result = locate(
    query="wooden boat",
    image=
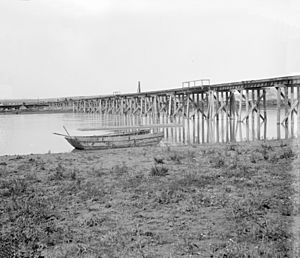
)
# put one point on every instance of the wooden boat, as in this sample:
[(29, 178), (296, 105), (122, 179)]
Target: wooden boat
[(136, 138)]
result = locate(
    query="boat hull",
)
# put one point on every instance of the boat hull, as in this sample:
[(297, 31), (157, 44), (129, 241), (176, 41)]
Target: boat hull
[(114, 141)]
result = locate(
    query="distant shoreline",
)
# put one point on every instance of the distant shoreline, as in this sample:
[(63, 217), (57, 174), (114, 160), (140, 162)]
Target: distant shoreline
[(18, 112)]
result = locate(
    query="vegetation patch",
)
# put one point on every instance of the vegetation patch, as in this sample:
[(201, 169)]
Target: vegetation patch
[(231, 200)]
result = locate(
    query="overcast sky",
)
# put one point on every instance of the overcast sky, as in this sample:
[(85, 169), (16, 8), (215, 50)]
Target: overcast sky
[(55, 48)]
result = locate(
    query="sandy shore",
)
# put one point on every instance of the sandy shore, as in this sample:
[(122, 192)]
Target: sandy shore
[(192, 201)]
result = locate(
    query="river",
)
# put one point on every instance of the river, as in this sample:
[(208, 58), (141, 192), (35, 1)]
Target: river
[(33, 133)]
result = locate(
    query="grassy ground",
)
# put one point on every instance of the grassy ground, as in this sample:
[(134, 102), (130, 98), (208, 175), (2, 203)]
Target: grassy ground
[(206, 201)]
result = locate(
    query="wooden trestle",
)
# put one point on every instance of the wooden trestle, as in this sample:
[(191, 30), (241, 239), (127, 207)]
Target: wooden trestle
[(211, 107)]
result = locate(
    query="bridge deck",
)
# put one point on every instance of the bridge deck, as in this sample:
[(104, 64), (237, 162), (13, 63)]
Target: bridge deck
[(250, 84)]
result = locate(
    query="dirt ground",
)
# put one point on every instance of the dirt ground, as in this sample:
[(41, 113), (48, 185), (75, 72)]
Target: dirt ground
[(231, 200)]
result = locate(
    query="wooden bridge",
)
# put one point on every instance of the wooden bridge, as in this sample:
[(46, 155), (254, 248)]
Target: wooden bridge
[(208, 105)]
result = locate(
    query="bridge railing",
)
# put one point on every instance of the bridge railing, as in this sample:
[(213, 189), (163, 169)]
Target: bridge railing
[(196, 83)]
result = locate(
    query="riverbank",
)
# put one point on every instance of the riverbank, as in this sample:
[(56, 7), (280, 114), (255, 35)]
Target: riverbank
[(232, 200)]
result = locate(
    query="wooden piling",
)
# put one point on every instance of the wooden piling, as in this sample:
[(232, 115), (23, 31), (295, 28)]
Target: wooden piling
[(198, 118), (292, 111), (217, 116), (212, 115), (193, 120), (227, 95), (240, 106), (202, 118), (286, 110), (278, 111), (188, 117), (222, 116), (253, 114), (265, 113), (258, 113), (247, 112)]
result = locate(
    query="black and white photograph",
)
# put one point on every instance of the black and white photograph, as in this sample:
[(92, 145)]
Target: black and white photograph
[(148, 129)]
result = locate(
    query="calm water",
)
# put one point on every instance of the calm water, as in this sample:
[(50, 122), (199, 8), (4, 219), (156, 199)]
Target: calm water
[(33, 133)]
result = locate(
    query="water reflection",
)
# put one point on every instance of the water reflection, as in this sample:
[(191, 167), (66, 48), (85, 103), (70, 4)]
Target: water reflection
[(198, 129)]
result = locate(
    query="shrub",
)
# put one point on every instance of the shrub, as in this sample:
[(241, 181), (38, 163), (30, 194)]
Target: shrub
[(176, 157), (159, 171), (158, 160)]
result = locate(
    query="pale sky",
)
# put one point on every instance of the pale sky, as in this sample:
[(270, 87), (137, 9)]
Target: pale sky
[(56, 48)]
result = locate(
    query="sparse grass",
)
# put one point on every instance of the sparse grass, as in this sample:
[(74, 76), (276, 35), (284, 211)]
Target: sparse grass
[(158, 171), (13, 187), (176, 157), (215, 201), (119, 170)]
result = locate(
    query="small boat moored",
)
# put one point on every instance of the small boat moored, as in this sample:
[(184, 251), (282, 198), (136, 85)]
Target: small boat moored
[(137, 138)]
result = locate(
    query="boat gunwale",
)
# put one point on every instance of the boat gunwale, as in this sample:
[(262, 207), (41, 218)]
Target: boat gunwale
[(79, 137)]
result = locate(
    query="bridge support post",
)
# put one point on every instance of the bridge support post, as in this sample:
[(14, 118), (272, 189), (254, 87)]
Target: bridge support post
[(286, 110), (193, 119), (247, 112), (292, 111), (265, 113), (218, 110), (278, 111), (258, 113), (188, 116), (222, 108), (198, 118), (211, 116)]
